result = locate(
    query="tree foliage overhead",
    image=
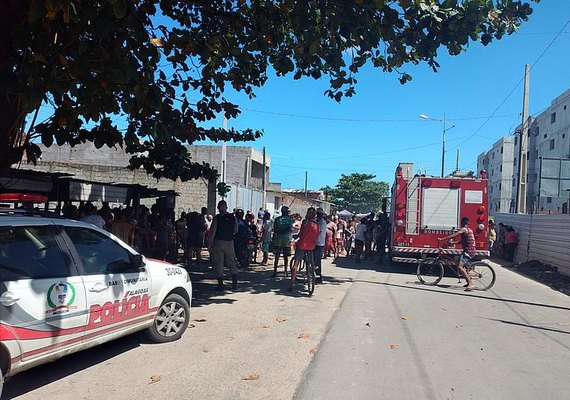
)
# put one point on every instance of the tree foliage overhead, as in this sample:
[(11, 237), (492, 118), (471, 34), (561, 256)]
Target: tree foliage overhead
[(162, 67), (358, 193)]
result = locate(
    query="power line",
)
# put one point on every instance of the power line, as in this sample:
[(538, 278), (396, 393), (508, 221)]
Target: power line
[(514, 88), (316, 117)]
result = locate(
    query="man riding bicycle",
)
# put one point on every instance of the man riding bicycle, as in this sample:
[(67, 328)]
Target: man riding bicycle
[(467, 241), (306, 243)]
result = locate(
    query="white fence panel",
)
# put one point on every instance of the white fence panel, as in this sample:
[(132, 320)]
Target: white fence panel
[(545, 238), (244, 197)]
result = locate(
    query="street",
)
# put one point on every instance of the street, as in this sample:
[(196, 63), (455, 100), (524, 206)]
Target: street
[(368, 332)]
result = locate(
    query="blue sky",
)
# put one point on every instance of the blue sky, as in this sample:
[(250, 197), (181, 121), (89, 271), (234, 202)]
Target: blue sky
[(380, 126)]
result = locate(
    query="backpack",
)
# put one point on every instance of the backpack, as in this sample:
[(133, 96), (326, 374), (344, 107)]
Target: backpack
[(282, 225)]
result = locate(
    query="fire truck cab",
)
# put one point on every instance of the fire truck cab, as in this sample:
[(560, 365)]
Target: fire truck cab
[(425, 208)]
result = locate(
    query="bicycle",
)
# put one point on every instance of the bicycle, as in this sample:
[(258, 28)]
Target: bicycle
[(307, 265), (431, 271)]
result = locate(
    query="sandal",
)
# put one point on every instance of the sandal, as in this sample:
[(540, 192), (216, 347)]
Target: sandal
[(469, 288)]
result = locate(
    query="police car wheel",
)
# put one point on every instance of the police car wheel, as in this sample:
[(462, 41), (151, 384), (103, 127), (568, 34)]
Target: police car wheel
[(171, 320)]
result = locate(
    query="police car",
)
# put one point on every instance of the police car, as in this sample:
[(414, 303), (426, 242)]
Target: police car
[(67, 285)]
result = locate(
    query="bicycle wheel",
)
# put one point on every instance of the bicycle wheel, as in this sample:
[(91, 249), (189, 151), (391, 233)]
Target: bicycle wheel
[(430, 271), (310, 275), (482, 275)]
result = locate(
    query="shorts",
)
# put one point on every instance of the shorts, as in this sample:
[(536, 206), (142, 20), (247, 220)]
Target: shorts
[(465, 257), (300, 253), (286, 251)]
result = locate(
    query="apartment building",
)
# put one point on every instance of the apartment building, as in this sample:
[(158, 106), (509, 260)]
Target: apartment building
[(498, 162), (548, 177), (548, 156)]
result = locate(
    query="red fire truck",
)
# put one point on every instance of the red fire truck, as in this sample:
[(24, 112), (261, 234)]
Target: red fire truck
[(425, 208)]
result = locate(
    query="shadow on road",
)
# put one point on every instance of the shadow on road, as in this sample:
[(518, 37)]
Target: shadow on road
[(462, 293), (542, 328), (45, 374), (255, 280), (410, 270)]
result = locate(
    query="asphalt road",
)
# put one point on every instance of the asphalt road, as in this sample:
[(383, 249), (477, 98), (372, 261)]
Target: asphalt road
[(394, 338), (511, 342)]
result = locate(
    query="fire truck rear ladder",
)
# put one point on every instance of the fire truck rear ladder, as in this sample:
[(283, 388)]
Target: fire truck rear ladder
[(413, 206)]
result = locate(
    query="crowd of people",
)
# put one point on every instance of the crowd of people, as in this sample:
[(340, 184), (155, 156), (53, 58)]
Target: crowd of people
[(150, 231), (234, 239), (504, 242)]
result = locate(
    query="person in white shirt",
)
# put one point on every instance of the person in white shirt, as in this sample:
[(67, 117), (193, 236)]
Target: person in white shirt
[(359, 238), (320, 246)]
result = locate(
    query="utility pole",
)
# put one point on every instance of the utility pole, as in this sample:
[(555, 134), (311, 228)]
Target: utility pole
[(224, 153), (443, 148), (263, 177), (306, 180), (523, 148), (457, 162)]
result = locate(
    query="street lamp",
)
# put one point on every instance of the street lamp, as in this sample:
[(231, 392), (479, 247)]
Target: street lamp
[(423, 116)]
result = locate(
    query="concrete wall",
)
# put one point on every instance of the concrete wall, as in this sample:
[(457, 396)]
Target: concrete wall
[(541, 237), (193, 195), (244, 164), (297, 204), (108, 165)]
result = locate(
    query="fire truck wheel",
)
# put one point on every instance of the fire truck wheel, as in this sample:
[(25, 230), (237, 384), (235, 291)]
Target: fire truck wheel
[(430, 271)]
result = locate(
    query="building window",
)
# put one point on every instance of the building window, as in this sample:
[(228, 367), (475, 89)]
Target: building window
[(501, 149), (563, 135), (553, 118), (498, 206), (537, 131), (549, 199), (536, 154), (499, 185), (493, 157), (565, 106), (516, 140), (501, 168), (515, 161), (491, 189), (551, 144)]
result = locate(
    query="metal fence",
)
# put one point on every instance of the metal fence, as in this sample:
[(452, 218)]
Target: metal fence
[(244, 197), (545, 238)]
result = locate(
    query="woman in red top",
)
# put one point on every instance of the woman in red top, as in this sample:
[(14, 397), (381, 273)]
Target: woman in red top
[(306, 243), (468, 243)]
